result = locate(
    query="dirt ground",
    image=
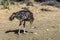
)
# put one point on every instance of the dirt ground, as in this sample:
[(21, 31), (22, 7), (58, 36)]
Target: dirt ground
[(47, 23)]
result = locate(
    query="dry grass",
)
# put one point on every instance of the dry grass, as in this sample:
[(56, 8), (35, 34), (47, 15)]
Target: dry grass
[(47, 23)]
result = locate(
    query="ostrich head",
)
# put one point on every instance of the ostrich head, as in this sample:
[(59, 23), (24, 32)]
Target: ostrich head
[(12, 16)]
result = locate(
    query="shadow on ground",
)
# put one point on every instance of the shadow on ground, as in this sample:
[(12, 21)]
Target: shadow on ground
[(16, 31)]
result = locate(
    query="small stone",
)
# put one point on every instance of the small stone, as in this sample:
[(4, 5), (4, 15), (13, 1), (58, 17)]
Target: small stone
[(47, 29), (36, 33)]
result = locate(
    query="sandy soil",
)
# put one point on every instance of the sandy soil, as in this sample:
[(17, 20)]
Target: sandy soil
[(47, 23)]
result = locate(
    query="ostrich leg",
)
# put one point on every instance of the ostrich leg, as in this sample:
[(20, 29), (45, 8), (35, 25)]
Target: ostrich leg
[(24, 26), (31, 22), (19, 28)]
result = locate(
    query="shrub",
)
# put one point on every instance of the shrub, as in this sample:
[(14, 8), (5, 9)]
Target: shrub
[(6, 4)]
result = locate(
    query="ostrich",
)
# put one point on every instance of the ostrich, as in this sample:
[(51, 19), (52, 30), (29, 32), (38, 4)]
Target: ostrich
[(23, 16)]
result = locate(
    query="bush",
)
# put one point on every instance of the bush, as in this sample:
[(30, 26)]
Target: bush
[(58, 0), (6, 3)]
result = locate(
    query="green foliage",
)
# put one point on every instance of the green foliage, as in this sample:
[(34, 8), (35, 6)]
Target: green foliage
[(6, 3)]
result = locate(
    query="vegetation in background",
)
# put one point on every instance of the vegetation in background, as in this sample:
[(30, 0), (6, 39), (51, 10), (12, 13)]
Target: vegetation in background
[(6, 4), (58, 0)]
